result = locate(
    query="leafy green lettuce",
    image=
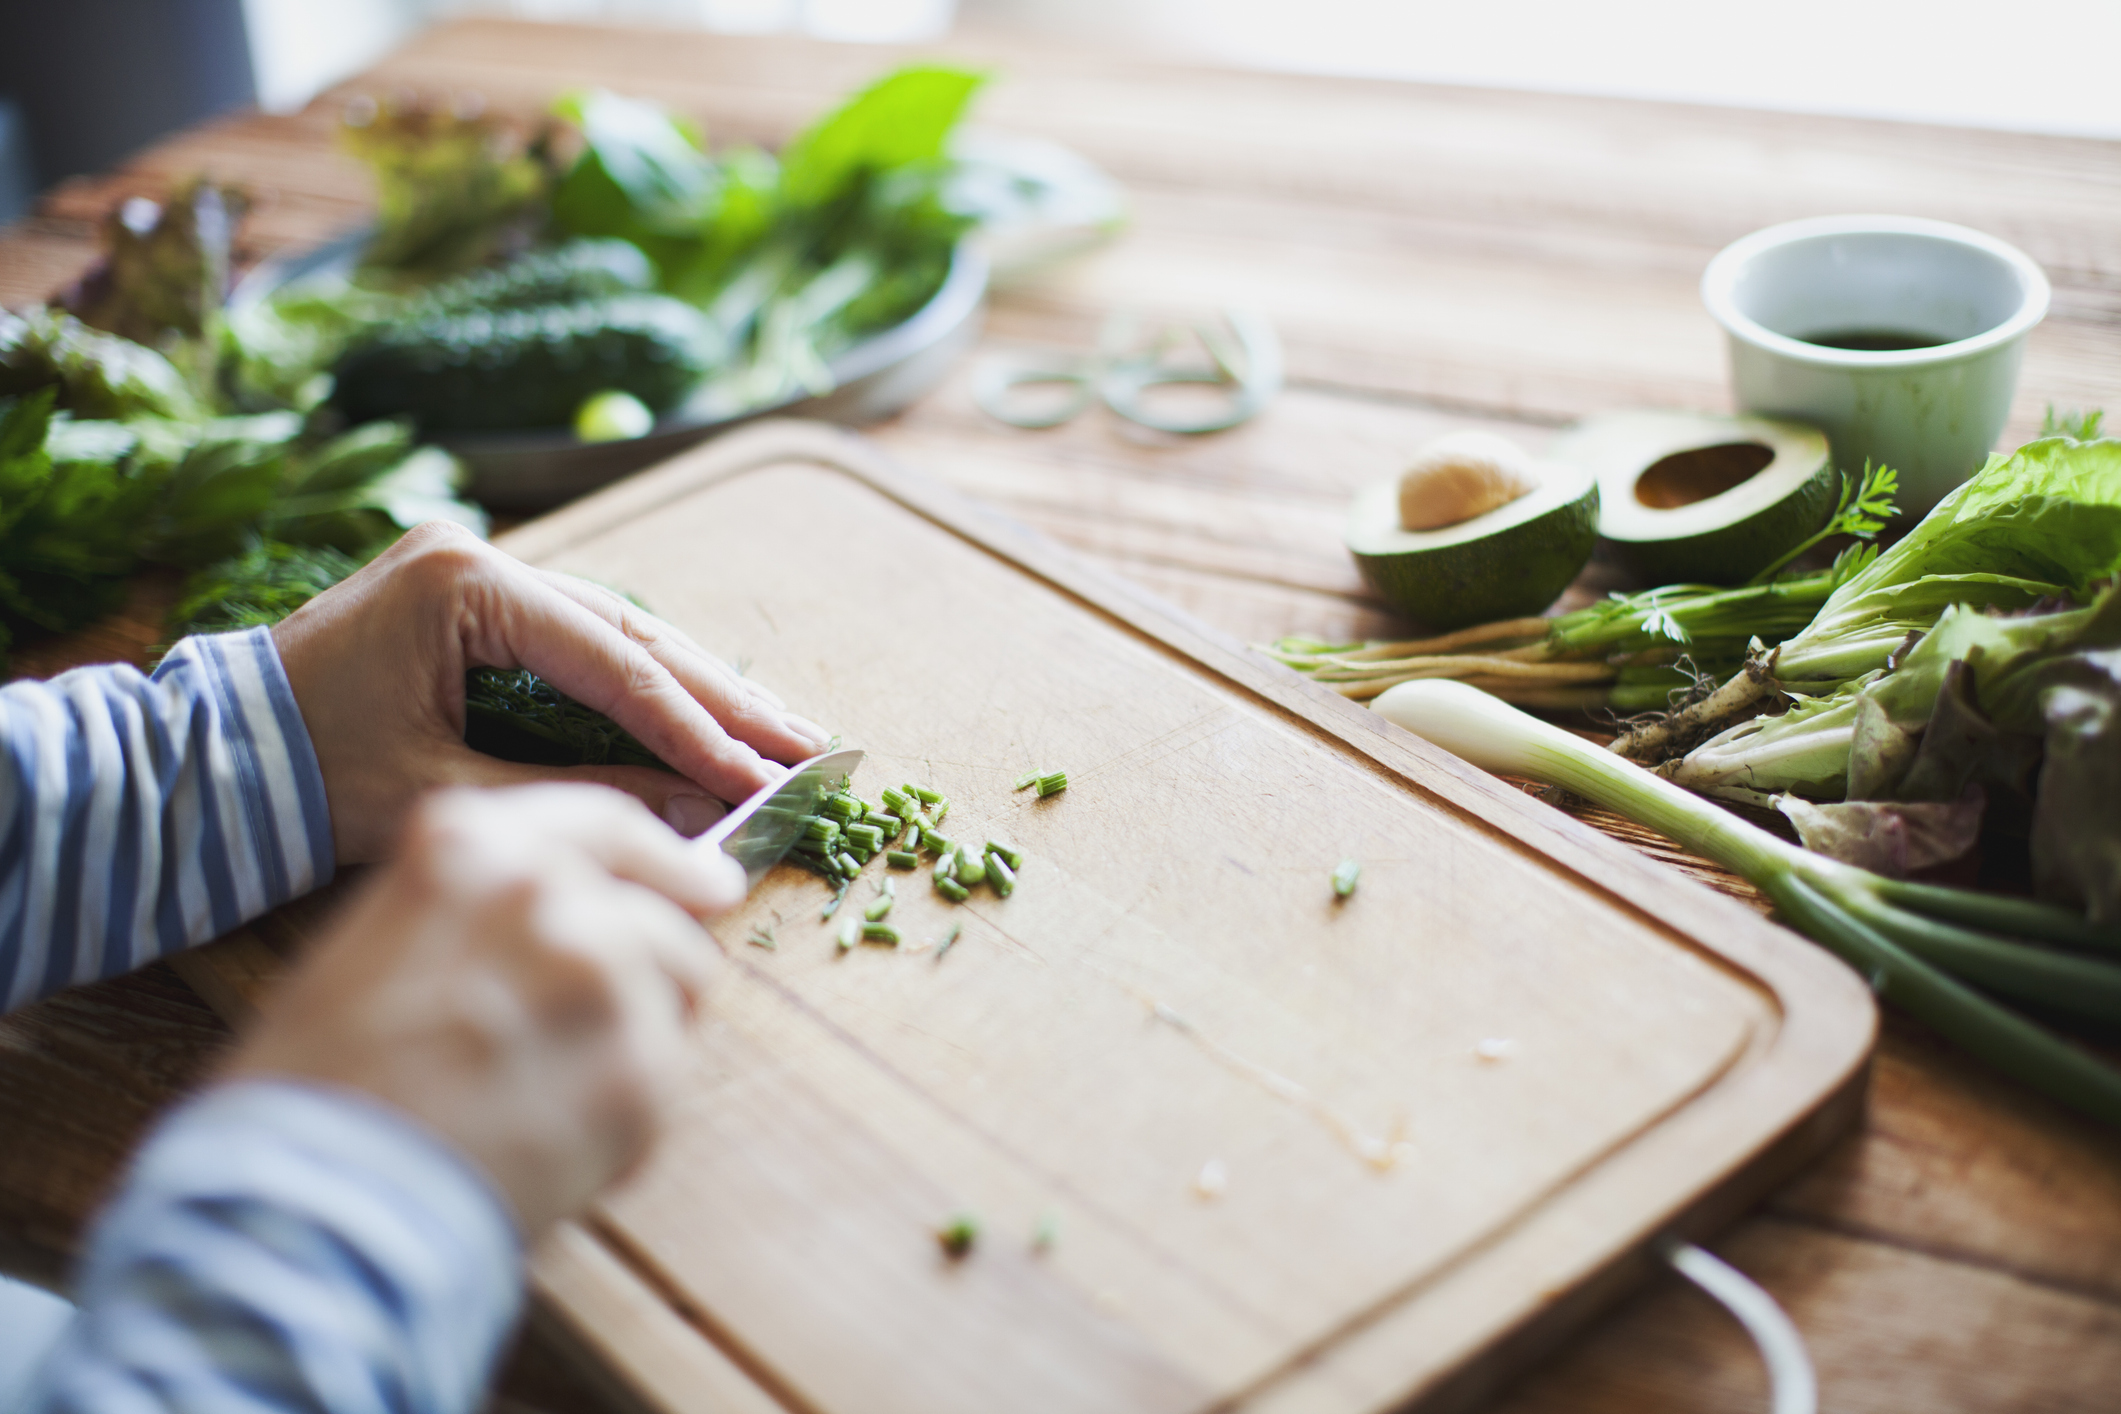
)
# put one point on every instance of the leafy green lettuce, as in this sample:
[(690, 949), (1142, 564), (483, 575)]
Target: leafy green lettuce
[(2044, 522)]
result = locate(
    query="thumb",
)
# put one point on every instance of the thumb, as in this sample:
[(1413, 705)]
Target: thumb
[(679, 803)]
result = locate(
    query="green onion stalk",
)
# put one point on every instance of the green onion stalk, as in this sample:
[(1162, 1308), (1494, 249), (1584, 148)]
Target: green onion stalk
[(1629, 652), (1935, 952), (1624, 652)]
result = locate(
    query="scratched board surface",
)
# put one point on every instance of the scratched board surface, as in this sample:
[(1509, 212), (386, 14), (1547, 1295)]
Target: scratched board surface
[(1249, 1117)]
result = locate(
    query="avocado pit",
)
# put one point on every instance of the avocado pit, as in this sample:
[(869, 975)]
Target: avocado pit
[(1460, 477)]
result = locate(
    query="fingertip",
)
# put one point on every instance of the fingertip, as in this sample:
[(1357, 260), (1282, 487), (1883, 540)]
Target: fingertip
[(810, 731)]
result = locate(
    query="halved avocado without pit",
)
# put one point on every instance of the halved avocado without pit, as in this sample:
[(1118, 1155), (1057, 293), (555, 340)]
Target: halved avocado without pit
[(1693, 498), (1506, 563)]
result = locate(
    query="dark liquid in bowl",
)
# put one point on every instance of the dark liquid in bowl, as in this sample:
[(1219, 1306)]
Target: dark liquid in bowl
[(1874, 340)]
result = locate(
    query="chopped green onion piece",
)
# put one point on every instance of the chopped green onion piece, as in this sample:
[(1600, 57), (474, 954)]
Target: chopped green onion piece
[(1025, 782), (879, 933), (1052, 784), (951, 889), (902, 859), (941, 844), (1014, 858), (885, 887), (949, 939), (850, 933), (869, 837), (1000, 875), (849, 865), (946, 864), (942, 808), (898, 802), (957, 1236), (763, 938), (1345, 876), (913, 836), (843, 807), (834, 906), (884, 820), (970, 871), (875, 912), (817, 827), (924, 795)]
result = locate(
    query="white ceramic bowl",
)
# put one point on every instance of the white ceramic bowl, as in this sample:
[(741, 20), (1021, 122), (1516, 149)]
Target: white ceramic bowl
[(1932, 413)]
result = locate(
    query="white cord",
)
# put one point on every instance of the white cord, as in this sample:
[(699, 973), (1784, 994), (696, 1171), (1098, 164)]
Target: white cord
[(1793, 1388)]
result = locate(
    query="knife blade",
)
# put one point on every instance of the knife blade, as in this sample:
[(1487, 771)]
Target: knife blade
[(759, 833)]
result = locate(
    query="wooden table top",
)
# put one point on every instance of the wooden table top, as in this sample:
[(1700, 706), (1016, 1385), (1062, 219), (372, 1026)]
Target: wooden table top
[(1436, 259)]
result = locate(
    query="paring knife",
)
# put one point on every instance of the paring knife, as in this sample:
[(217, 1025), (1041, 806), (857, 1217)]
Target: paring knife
[(758, 833)]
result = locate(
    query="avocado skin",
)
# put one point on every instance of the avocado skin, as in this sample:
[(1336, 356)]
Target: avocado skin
[(489, 370), (1734, 553), (1511, 574)]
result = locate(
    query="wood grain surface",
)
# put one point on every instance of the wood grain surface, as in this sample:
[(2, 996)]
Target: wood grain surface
[(1438, 258), (1172, 985)]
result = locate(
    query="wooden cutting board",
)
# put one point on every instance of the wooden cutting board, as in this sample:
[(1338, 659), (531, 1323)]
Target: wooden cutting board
[(1291, 1154)]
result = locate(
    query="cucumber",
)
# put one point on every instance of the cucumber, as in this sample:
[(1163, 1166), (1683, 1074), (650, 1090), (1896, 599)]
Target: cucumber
[(525, 368), (561, 274)]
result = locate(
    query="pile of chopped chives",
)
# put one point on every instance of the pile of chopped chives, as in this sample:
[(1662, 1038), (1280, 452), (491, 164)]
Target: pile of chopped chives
[(847, 832)]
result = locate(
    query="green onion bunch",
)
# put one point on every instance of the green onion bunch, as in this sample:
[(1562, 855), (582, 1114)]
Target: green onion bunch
[(1949, 957)]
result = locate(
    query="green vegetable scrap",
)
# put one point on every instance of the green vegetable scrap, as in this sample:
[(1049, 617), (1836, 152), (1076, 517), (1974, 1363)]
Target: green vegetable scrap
[(957, 1236), (1345, 876), (1052, 784)]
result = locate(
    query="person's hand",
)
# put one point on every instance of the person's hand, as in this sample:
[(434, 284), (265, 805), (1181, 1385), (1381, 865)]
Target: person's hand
[(519, 980), (377, 665)]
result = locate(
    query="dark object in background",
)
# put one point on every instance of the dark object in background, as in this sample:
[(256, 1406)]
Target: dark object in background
[(97, 79)]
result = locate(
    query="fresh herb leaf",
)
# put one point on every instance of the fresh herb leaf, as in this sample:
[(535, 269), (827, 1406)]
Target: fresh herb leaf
[(902, 119), (2080, 423), (1865, 506)]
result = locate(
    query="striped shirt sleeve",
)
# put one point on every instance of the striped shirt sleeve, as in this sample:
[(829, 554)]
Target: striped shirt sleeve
[(141, 815), (279, 1247)]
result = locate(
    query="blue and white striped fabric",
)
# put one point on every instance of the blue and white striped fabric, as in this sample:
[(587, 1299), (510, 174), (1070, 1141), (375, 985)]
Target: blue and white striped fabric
[(280, 1247), (143, 815), (277, 1246)]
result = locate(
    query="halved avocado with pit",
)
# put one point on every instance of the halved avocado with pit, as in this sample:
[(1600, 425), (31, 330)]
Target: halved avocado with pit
[(1693, 498), (1511, 562)]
